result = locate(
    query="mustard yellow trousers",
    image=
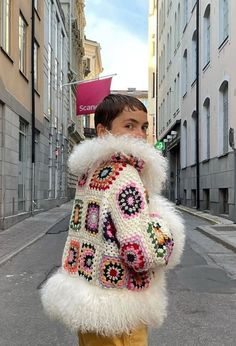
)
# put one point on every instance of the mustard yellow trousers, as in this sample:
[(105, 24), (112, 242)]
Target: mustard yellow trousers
[(138, 337)]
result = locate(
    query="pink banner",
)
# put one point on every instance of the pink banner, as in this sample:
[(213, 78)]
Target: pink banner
[(90, 94)]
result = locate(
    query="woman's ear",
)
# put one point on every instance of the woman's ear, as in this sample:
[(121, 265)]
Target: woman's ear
[(101, 130)]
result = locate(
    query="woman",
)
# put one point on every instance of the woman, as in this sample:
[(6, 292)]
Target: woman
[(123, 235)]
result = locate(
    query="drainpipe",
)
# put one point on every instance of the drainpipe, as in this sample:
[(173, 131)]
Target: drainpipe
[(197, 107), (3, 186), (33, 110), (156, 71)]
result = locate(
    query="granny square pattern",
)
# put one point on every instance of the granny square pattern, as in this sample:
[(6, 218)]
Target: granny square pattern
[(82, 180), (130, 200), (112, 273), (72, 258), (138, 281), (109, 230), (104, 177), (92, 218), (134, 254), (162, 244), (129, 159), (75, 220), (86, 261)]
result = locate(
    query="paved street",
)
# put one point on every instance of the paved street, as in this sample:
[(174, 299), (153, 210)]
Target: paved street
[(202, 309)]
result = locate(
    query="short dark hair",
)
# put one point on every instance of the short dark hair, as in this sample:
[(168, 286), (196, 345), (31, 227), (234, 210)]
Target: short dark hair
[(114, 104)]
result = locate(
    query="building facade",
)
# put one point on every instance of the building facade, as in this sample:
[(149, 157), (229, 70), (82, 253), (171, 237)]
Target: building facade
[(21, 109), (41, 52), (75, 23), (196, 101), (152, 65)]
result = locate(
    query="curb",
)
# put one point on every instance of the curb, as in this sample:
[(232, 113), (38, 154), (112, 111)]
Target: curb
[(200, 215), (211, 234), (30, 242), (14, 253)]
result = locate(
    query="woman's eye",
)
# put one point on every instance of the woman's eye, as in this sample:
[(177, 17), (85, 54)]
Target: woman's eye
[(129, 126), (145, 128)]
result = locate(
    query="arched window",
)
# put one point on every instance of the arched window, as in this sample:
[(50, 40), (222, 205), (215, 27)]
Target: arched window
[(175, 32), (207, 35), (185, 14), (194, 56), (224, 20), (168, 49), (178, 25), (184, 150), (223, 127), (206, 123), (193, 138), (185, 73)]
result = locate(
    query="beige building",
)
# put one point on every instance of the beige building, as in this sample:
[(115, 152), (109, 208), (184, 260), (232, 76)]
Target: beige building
[(21, 105), (92, 69), (152, 65), (196, 129), (39, 55)]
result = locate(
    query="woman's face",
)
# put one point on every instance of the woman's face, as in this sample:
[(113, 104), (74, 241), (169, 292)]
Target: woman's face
[(132, 123)]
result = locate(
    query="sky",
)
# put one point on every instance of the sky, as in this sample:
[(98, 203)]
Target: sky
[(121, 28)]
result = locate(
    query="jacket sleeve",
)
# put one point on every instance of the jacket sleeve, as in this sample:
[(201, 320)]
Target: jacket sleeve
[(145, 242)]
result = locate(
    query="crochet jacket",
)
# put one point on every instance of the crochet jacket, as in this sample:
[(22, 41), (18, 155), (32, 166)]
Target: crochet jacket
[(123, 236)]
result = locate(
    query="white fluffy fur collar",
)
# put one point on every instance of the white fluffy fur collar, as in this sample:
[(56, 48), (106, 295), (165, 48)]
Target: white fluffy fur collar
[(91, 153)]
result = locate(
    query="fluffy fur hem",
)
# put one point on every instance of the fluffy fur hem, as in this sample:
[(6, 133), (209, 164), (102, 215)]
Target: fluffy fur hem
[(87, 308)]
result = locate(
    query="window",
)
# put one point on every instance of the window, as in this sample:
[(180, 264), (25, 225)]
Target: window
[(86, 121), (5, 24), (153, 84), (224, 20), (178, 91), (36, 48), (168, 49), (223, 119), (206, 199), (22, 44), (178, 25), (185, 72), (175, 96), (206, 129), (185, 14), (22, 165), (184, 145), (193, 138), (193, 197), (224, 201), (207, 35), (194, 56), (175, 32)]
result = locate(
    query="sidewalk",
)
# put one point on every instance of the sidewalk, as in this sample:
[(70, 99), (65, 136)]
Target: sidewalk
[(220, 229), (18, 237)]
